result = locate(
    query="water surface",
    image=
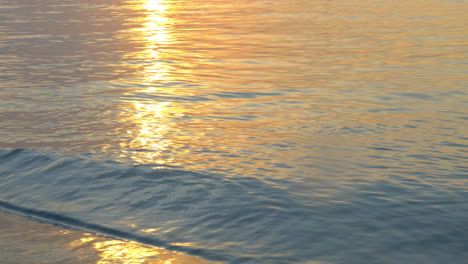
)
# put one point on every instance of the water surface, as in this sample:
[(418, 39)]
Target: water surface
[(242, 132)]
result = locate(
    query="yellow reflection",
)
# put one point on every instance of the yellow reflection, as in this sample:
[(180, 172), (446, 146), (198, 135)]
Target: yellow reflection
[(156, 33), (112, 251), (150, 118), (149, 138), (156, 5)]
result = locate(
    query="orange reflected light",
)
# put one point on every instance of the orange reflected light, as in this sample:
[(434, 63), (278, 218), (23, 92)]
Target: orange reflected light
[(156, 33), (152, 126), (151, 118), (153, 131), (155, 5), (113, 251)]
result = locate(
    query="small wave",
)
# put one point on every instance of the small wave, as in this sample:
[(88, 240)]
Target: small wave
[(229, 218), (222, 219)]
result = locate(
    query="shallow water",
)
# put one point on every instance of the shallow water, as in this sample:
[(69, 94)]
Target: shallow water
[(39, 242), (247, 132)]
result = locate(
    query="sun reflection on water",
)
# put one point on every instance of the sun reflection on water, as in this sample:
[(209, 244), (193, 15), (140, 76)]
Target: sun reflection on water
[(155, 5), (112, 251), (156, 33), (148, 140)]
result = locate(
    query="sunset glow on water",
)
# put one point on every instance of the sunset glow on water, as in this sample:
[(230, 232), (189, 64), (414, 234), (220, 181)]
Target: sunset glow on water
[(238, 131)]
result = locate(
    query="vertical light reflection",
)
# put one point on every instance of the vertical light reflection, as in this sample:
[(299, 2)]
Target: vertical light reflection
[(151, 118), (156, 33), (149, 138)]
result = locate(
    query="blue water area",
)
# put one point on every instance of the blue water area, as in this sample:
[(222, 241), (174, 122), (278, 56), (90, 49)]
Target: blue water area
[(241, 221)]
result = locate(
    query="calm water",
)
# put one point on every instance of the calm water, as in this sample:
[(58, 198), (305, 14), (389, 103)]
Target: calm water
[(286, 131)]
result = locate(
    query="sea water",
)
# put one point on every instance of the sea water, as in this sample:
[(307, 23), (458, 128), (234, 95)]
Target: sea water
[(283, 131)]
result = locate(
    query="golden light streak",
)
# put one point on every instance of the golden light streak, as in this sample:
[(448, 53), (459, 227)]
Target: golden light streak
[(155, 5), (113, 251), (156, 33), (150, 117)]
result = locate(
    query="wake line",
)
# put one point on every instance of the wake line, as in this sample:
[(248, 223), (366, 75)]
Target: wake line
[(73, 223)]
